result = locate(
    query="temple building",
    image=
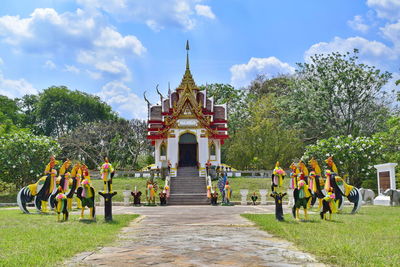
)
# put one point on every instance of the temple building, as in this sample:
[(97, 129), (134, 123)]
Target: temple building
[(187, 129)]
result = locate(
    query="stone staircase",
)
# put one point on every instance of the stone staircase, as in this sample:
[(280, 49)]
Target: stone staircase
[(187, 188)]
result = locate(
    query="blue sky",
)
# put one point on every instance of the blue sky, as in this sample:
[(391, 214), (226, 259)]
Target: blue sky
[(117, 49)]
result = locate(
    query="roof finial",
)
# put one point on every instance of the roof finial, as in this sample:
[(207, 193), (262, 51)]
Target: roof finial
[(187, 54)]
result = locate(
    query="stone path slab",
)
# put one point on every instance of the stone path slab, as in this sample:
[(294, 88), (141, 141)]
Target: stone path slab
[(195, 236)]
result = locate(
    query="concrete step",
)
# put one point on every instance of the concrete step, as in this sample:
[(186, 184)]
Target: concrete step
[(188, 199)]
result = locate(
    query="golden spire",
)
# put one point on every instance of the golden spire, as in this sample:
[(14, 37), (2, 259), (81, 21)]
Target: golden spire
[(187, 80), (187, 54)]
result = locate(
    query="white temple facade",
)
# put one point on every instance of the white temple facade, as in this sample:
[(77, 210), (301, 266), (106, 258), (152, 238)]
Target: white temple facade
[(187, 129)]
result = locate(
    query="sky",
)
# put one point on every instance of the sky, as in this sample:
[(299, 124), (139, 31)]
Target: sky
[(117, 49)]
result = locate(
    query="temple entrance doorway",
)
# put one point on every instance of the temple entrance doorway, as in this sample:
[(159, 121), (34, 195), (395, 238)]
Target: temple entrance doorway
[(187, 150)]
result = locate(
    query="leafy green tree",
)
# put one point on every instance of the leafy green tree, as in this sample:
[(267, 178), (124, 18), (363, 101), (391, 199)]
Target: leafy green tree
[(279, 86), (9, 110), (28, 105), (60, 110), (264, 141), (24, 157), (390, 139), (121, 140), (334, 95), (353, 156), (236, 100)]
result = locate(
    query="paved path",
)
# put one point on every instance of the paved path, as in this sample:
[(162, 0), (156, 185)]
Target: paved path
[(195, 236)]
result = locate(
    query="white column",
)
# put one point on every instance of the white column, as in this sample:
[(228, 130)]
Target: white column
[(172, 152), (243, 193), (203, 152), (157, 153), (290, 197), (218, 151), (126, 194), (263, 193)]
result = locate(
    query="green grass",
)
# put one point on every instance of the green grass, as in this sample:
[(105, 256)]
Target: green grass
[(39, 240), (369, 238)]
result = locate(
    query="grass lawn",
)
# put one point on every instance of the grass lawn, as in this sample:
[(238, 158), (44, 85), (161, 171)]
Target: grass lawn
[(369, 238), (39, 240)]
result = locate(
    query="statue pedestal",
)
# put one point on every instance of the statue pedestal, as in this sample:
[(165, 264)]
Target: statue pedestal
[(243, 193), (126, 194), (263, 193), (382, 200), (107, 205), (290, 197)]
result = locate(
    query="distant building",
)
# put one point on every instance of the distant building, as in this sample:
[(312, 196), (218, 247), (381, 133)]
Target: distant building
[(187, 129)]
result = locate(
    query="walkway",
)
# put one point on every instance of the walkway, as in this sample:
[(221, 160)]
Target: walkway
[(195, 236)]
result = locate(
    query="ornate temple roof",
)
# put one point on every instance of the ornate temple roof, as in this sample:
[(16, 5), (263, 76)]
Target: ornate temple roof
[(187, 102)]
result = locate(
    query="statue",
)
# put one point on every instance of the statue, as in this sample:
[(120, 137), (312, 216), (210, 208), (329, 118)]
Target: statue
[(278, 205), (214, 197), (254, 198), (136, 197), (40, 191), (86, 194), (227, 194), (73, 183), (151, 189), (341, 188), (278, 175), (107, 173), (61, 207), (301, 197), (394, 196), (61, 183), (163, 197), (367, 195), (328, 204)]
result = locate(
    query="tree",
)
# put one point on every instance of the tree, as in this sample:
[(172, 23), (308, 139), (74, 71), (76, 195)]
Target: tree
[(264, 141), (354, 156), (237, 104), (28, 104), (280, 85), (391, 139), (59, 110), (121, 140), (24, 157), (334, 95)]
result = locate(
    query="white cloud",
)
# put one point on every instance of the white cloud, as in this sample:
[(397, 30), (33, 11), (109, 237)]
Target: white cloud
[(358, 24), (387, 9), (371, 52), (94, 75), (124, 100), (109, 38), (155, 14), (392, 33), (106, 63), (15, 88), (205, 11), (73, 34), (243, 74), (70, 68), (50, 65)]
